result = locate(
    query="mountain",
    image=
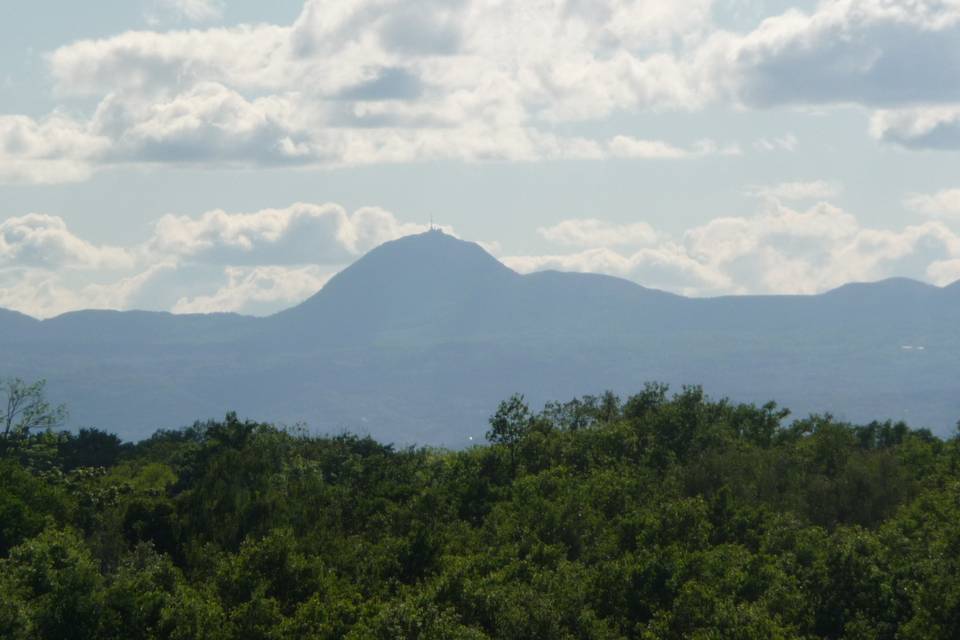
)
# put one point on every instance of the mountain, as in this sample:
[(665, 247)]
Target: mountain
[(420, 339), (16, 326), (416, 285)]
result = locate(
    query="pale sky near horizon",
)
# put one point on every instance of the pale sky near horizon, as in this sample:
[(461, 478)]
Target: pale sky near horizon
[(208, 155)]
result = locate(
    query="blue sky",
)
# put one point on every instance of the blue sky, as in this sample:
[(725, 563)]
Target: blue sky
[(204, 155)]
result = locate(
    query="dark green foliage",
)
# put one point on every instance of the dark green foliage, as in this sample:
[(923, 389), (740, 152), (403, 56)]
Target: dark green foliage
[(90, 448), (55, 582), (657, 517), (510, 425), (27, 503)]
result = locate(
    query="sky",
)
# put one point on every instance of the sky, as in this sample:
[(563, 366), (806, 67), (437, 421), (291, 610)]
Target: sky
[(231, 155)]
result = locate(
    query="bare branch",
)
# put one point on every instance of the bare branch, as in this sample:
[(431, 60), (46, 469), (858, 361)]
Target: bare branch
[(28, 409)]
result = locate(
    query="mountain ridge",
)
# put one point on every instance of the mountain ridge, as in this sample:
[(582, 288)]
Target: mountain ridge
[(419, 339), (405, 244)]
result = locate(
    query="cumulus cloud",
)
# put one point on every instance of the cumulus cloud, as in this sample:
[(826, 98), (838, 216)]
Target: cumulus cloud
[(264, 261), (563, 59), (668, 267), (208, 123), (779, 250), (52, 150), (213, 125), (869, 52), (356, 82), (555, 60), (152, 63), (38, 240), (945, 203), (378, 81), (944, 272), (900, 58), (301, 233), (257, 262), (628, 147), (258, 290), (373, 81), (45, 293), (931, 127)]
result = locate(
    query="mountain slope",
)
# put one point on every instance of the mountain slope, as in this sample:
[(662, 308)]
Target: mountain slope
[(419, 339), (15, 326), (434, 287), (427, 282)]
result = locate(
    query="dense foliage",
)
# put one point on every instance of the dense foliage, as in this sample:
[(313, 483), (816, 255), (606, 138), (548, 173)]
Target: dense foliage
[(657, 517)]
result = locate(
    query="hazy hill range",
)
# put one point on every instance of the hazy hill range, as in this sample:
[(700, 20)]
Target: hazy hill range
[(422, 337)]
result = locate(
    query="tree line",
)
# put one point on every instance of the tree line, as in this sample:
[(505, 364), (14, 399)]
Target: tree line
[(660, 515)]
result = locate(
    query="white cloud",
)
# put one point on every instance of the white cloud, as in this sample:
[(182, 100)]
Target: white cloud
[(846, 51), (151, 63), (813, 190), (930, 127), (298, 234), (552, 59), (213, 126), (44, 293), (944, 272), (258, 290), (355, 82), (120, 294), (787, 142), (629, 147), (207, 124), (945, 203), (372, 81), (256, 262), (898, 57), (668, 267), (267, 260), (56, 149), (779, 250), (38, 240), (37, 292)]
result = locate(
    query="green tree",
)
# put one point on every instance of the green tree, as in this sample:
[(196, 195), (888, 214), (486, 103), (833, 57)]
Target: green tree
[(58, 585), (510, 424), (141, 588), (26, 408), (26, 503)]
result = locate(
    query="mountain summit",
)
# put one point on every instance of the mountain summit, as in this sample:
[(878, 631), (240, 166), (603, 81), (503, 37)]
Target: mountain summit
[(428, 280), (421, 338), (427, 265), (433, 286)]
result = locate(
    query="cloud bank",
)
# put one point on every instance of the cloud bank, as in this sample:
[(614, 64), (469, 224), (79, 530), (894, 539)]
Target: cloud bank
[(780, 249), (942, 204), (353, 82), (257, 262)]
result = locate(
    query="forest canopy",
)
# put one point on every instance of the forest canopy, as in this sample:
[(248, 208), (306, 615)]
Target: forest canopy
[(655, 516)]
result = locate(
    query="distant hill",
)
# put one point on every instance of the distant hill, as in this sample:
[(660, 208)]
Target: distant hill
[(419, 339)]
